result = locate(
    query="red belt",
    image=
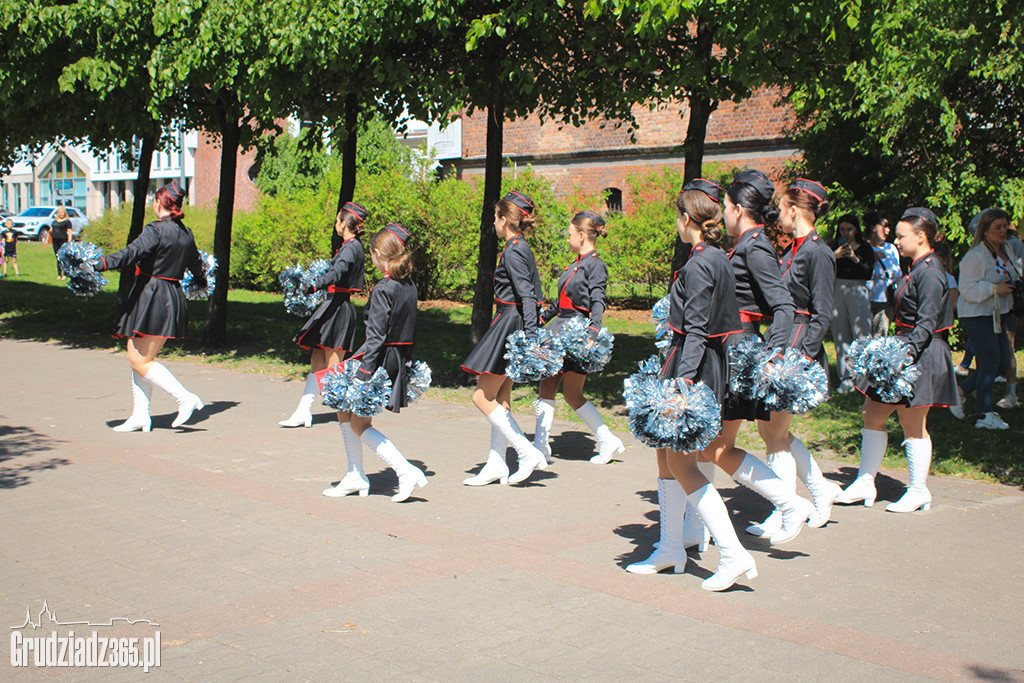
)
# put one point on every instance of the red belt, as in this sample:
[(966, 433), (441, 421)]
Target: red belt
[(748, 317), (331, 289), (170, 279)]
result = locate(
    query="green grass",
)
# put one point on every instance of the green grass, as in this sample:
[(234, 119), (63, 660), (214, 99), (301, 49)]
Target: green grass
[(38, 307)]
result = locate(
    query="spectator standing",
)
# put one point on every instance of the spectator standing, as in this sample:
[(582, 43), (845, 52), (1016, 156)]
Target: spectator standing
[(986, 274), (851, 310), (61, 232), (10, 240), (885, 274)]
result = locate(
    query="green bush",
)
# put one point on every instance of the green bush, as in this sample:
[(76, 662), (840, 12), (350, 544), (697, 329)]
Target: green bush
[(111, 230)]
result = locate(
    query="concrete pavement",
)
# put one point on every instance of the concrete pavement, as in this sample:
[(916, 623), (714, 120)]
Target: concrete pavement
[(218, 533)]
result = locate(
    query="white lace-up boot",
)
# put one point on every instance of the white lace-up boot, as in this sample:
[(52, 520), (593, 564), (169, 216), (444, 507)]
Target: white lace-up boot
[(872, 450), (163, 380), (495, 469), (917, 495), (607, 443), (139, 420), (409, 476)]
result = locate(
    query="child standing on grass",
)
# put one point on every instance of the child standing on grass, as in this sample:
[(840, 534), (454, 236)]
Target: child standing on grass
[(10, 248)]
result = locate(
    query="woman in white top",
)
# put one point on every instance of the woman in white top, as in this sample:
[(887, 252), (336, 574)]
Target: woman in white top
[(886, 272), (986, 277)]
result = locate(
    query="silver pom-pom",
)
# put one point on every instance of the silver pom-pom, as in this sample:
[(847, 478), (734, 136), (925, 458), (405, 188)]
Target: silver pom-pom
[(295, 280), (671, 413), (418, 376), (659, 316), (342, 391), (531, 359), (887, 365), (591, 353), (784, 381), (189, 286), (75, 259)]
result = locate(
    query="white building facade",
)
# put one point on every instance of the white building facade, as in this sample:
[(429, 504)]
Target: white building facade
[(73, 175)]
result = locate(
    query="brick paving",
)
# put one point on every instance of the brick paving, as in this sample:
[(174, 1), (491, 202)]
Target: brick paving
[(218, 532)]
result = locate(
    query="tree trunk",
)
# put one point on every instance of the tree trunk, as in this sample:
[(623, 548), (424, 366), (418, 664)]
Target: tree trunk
[(215, 332), (701, 107), (348, 162), (141, 189), (483, 294)]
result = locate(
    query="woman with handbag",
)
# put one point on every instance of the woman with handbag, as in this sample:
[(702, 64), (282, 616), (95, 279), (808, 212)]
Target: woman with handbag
[(987, 274)]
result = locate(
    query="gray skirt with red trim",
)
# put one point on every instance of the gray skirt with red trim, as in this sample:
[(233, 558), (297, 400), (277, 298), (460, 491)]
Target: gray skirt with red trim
[(488, 356), (395, 357), (332, 325), (713, 368), (570, 364), (155, 308)]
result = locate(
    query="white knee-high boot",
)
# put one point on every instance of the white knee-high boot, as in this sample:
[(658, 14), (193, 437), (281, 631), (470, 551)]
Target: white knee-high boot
[(544, 408), (607, 443), (919, 459), (794, 510), (823, 492), (734, 560), (409, 476), (872, 450), (495, 469), (163, 380), (530, 458), (355, 480), (303, 415), (784, 467), (139, 420), (695, 534), (670, 552)]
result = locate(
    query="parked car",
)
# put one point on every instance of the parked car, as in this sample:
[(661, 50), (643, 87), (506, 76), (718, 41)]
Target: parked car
[(36, 222)]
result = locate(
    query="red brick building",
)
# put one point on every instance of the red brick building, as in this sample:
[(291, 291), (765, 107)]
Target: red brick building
[(598, 157), (206, 181)]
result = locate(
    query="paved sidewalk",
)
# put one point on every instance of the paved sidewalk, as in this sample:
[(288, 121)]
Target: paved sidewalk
[(218, 533)]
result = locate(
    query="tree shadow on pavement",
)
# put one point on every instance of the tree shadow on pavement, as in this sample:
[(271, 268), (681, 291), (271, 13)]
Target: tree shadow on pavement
[(20, 448)]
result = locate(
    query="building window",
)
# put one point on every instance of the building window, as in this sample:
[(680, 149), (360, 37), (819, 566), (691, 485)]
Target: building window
[(613, 199), (62, 183)]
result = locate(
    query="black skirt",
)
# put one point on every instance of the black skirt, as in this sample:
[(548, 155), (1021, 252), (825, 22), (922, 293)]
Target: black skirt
[(395, 357), (488, 356), (712, 370), (736, 407), (570, 364), (332, 326), (935, 386), (155, 308)]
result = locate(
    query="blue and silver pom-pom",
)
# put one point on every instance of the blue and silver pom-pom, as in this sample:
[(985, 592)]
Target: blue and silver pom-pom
[(671, 413), (592, 353), (887, 365), (531, 359), (659, 316), (784, 381), (793, 383), (746, 360), (418, 376), (342, 391), (75, 259), (188, 284), (295, 280)]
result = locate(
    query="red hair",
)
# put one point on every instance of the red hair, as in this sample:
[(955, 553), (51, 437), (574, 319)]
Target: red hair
[(164, 199)]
